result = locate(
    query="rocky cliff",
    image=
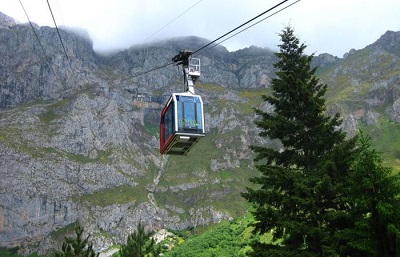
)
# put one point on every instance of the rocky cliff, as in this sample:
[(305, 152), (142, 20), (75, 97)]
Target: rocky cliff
[(366, 87), (31, 70), (79, 132)]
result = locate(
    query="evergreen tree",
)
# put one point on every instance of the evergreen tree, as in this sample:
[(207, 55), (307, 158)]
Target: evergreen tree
[(78, 246), (299, 198), (374, 197), (139, 244)]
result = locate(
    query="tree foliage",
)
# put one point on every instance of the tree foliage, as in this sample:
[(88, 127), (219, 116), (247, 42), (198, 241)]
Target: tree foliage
[(78, 246), (226, 239), (300, 190), (140, 244), (375, 204)]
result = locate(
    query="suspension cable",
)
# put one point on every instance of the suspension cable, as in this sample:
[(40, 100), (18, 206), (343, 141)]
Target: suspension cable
[(58, 32), (172, 21), (214, 41), (203, 48), (148, 71), (248, 27), (247, 22), (166, 64), (40, 43)]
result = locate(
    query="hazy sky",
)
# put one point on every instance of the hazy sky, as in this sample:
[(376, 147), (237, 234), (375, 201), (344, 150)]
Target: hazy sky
[(325, 26)]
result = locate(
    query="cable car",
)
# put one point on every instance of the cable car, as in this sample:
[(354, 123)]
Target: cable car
[(182, 119), (182, 123)]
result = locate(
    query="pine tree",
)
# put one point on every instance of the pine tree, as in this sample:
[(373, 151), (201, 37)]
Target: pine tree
[(299, 198), (78, 246), (139, 244), (374, 198)]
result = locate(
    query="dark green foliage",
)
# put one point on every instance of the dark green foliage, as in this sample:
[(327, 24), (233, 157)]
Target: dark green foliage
[(375, 204), (78, 246), (300, 195), (139, 244), (13, 252), (227, 239)]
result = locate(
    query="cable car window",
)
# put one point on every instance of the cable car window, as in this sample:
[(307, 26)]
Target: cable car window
[(199, 111), (189, 114), (169, 122)]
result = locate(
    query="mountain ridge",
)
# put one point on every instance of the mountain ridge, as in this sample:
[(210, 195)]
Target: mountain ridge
[(6, 21)]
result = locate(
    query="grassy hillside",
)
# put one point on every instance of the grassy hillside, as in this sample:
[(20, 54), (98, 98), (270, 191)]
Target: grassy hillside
[(367, 81), (13, 252), (197, 186), (386, 139), (227, 239)]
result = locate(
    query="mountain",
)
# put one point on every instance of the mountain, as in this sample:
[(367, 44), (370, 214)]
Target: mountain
[(79, 132), (365, 89)]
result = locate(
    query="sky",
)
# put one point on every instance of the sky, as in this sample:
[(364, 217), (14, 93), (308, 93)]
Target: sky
[(325, 26)]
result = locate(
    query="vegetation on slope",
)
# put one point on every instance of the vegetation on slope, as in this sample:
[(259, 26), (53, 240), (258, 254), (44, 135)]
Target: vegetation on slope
[(198, 186), (386, 139), (13, 252), (227, 239), (359, 79)]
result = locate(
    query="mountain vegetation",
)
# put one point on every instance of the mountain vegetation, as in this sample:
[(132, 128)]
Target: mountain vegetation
[(226, 239), (374, 199), (79, 135), (299, 198), (140, 244), (77, 246), (308, 193)]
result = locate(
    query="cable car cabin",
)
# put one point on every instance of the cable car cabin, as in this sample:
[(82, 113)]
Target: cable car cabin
[(182, 123)]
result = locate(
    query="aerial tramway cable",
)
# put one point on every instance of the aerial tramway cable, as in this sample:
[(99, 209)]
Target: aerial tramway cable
[(238, 27), (202, 49), (58, 32), (148, 71), (40, 43), (177, 17), (166, 64), (63, 46), (248, 27), (65, 52), (213, 43)]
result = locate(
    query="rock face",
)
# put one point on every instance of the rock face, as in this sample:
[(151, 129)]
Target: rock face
[(324, 60), (390, 42), (77, 141), (79, 132), (6, 21), (28, 73)]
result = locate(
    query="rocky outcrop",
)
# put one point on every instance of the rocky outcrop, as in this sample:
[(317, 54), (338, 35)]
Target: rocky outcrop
[(6, 21), (62, 159), (390, 42), (394, 111), (28, 73), (324, 60), (233, 70), (90, 145)]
